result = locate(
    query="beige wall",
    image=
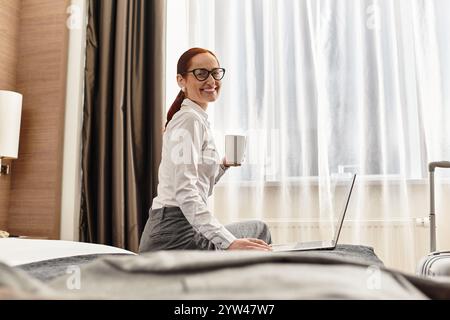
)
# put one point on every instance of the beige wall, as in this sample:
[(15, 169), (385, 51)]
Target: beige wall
[(39, 41), (71, 182), (9, 35)]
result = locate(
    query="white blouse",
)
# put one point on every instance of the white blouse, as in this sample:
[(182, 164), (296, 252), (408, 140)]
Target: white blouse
[(190, 167)]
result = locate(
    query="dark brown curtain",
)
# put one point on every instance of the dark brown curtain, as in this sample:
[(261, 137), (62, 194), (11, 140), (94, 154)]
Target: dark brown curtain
[(123, 120)]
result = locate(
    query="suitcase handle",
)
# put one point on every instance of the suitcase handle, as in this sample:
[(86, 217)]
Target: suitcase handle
[(431, 167), (438, 164)]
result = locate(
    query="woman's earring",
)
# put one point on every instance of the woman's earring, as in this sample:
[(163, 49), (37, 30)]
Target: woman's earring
[(183, 89)]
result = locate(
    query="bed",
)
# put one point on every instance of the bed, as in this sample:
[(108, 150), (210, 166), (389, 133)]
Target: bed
[(48, 259), (20, 251), (87, 271)]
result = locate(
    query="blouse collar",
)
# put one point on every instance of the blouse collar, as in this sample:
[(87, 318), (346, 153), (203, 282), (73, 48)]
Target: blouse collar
[(188, 103)]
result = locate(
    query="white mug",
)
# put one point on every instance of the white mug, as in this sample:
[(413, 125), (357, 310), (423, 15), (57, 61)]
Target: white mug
[(235, 149)]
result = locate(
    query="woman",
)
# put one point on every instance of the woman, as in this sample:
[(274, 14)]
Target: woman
[(190, 166)]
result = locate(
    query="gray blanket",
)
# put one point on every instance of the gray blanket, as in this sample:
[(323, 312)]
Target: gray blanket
[(225, 275), (49, 269)]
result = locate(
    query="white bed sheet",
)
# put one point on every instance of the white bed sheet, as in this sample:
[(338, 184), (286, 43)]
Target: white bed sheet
[(16, 251)]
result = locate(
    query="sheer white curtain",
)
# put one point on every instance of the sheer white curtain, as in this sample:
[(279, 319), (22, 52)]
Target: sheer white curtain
[(324, 88)]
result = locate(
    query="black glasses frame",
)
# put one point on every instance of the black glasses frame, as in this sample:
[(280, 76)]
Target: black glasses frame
[(209, 73)]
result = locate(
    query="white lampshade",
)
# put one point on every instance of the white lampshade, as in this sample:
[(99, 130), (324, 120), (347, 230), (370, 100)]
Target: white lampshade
[(10, 114)]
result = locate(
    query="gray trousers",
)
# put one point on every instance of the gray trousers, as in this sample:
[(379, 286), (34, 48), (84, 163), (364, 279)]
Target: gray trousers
[(168, 229)]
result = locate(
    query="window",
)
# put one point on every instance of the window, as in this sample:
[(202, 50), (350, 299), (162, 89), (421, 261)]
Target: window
[(322, 87)]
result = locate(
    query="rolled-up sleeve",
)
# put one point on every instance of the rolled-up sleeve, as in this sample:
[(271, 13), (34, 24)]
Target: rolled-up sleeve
[(186, 166)]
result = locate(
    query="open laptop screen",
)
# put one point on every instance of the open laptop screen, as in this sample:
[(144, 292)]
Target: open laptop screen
[(344, 210)]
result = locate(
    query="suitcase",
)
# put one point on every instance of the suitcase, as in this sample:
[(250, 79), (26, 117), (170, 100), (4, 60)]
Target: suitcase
[(437, 263)]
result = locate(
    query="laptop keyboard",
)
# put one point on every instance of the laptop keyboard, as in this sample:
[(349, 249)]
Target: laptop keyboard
[(309, 244), (304, 245)]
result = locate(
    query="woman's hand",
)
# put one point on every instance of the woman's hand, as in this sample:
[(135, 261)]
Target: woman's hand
[(224, 162), (249, 244)]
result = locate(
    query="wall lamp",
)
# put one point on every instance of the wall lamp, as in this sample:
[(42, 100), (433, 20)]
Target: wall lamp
[(10, 116)]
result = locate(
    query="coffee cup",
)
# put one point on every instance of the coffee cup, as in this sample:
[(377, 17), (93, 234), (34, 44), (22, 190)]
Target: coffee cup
[(235, 149)]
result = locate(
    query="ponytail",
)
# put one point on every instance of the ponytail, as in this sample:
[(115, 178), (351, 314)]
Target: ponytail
[(176, 105)]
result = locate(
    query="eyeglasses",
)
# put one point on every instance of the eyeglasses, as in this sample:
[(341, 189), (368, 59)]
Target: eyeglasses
[(203, 74)]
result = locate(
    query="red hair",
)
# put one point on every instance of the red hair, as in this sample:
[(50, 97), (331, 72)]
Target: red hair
[(182, 67)]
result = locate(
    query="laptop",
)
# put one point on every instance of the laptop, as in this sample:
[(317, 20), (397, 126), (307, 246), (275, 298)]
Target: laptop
[(318, 245)]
